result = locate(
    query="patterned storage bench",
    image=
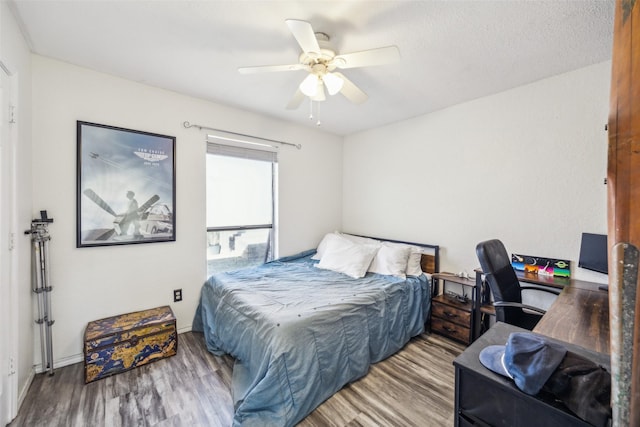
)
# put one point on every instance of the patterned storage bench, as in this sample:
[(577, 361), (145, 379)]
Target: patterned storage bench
[(119, 343)]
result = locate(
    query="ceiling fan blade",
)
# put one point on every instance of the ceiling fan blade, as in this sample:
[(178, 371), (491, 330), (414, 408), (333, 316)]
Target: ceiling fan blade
[(296, 100), (304, 35), (365, 58), (270, 68), (350, 91), (333, 83)]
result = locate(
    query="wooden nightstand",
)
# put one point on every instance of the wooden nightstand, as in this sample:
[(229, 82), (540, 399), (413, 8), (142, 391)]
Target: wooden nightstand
[(453, 317)]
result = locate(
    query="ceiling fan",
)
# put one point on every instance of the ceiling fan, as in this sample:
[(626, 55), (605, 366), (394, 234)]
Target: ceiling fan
[(320, 61)]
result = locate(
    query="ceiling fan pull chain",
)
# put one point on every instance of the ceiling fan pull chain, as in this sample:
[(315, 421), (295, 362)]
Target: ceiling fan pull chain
[(310, 109), (318, 123)]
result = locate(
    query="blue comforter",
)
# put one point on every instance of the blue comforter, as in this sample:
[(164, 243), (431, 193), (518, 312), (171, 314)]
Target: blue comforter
[(300, 333)]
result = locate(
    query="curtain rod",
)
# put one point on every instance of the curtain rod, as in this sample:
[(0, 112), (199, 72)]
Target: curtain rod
[(189, 125)]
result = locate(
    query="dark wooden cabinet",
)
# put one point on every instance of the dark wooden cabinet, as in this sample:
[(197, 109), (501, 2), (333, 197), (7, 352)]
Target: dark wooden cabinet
[(453, 317), (484, 398)]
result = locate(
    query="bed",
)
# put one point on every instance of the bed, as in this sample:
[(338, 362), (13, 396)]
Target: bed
[(300, 331)]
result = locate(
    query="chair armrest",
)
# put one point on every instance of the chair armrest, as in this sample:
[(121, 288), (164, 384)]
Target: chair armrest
[(535, 288), (516, 304)]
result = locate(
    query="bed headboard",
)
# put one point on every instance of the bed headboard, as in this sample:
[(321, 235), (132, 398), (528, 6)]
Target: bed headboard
[(430, 263)]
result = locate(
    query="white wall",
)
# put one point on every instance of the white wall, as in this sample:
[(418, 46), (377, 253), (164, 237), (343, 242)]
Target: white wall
[(15, 54), (525, 166), (92, 283)]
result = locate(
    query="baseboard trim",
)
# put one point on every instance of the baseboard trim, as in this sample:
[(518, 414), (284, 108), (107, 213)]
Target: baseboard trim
[(185, 329), (24, 390), (65, 361), (77, 358)]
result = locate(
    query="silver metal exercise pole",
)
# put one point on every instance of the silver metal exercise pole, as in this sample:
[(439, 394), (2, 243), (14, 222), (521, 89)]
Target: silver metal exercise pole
[(42, 287), (37, 289), (47, 298)]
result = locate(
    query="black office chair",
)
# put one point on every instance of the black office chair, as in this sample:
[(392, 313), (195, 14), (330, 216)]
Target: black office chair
[(504, 285)]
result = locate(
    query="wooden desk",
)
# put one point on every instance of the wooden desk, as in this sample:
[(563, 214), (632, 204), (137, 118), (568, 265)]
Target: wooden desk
[(580, 314), (550, 281), (556, 282)]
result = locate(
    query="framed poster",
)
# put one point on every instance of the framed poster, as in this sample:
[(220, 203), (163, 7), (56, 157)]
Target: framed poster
[(126, 186)]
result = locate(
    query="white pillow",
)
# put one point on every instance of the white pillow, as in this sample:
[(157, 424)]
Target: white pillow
[(413, 264), (359, 239), (346, 257), (414, 268), (338, 235), (391, 260), (323, 244)]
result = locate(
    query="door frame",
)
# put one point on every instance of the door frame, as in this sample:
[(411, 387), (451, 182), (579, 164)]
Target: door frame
[(8, 261)]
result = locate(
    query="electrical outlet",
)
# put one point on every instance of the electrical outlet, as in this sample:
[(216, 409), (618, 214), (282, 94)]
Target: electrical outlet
[(177, 295)]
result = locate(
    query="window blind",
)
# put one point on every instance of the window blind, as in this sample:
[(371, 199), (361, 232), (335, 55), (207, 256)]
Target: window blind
[(250, 148), (241, 152)]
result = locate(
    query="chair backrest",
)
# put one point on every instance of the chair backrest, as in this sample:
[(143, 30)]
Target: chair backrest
[(496, 265)]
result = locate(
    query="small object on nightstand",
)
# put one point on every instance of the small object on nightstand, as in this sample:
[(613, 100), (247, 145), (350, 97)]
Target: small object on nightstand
[(456, 297)]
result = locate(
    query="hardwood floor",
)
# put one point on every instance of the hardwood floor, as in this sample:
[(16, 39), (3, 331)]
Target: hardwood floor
[(414, 387)]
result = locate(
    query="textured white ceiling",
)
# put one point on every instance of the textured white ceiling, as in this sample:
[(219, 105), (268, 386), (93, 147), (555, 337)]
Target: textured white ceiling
[(452, 51)]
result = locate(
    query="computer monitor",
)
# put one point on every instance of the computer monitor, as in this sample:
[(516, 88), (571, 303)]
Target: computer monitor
[(593, 252)]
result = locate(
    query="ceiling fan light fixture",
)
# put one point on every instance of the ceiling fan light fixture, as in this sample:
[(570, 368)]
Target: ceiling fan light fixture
[(333, 83), (319, 96), (321, 62), (309, 85)]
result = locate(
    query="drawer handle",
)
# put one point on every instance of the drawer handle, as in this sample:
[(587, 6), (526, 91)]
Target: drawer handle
[(450, 315), (448, 329)]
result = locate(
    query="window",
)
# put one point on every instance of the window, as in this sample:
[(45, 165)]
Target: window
[(240, 207)]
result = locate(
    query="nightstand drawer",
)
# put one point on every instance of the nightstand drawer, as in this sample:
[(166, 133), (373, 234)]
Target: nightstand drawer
[(452, 314), (450, 329)]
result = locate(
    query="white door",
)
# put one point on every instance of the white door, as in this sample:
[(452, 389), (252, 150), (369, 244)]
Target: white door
[(7, 235)]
